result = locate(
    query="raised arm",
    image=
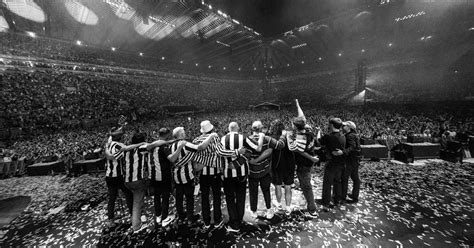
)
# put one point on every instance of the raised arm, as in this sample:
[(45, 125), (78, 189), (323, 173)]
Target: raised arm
[(300, 111)]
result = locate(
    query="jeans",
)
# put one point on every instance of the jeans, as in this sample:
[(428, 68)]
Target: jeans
[(161, 197), (253, 190), (235, 190), (138, 189), (352, 171), (113, 185), (304, 176), (332, 176), (208, 182), (187, 190)]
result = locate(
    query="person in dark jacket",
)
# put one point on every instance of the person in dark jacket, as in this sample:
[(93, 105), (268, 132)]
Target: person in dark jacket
[(334, 143), (352, 155)]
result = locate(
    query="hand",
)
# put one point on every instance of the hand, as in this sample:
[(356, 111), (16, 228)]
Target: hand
[(181, 143), (242, 150), (315, 159), (337, 152), (214, 135)]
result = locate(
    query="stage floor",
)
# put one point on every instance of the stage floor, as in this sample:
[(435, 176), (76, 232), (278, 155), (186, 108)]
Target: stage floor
[(400, 206)]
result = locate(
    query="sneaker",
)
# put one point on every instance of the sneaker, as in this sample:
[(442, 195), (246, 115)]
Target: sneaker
[(142, 227), (277, 205), (220, 224), (167, 221), (288, 210), (158, 219), (232, 230), (269, 214), (253, 214), (312, 214)]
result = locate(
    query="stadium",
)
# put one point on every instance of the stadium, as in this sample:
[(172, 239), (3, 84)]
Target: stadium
[(221, 123)]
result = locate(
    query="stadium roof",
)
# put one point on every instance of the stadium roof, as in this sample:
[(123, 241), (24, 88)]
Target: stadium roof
[(244, 35)]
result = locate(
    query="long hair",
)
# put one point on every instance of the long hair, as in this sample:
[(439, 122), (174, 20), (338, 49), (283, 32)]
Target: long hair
[(138, 138), (276, 128)]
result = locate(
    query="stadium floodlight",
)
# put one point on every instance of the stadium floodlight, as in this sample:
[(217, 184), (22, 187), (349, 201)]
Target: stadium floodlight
[(197, 64), (471, 29), (302, 61), (340, 54), (390, 44), (31, 34), (320, 58), (210, 6), (363, 50), (181, 62), (163, 58), (209, 66), (78, 42), (113, 49), (224, 68), (240, 69), (141, 54)]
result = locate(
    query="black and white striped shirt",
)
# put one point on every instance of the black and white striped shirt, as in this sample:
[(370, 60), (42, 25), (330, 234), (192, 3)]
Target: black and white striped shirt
[(232, 141), (114, 166), (158, 163), (135, 166), (183, 169)]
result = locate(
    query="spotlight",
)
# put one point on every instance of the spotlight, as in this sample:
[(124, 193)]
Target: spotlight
[(209, 67), (31, 34), (255, 68), (141, 54), (239, 68), (340, 54), (363, 51), (197, 64), (287, 65), (320, 58), (224, 68), (302, 61), (78, 42), (113, 49), (181, 62), (163, 58), (390, 44)]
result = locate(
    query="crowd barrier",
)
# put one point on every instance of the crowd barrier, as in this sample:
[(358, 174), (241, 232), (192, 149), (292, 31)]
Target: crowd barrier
[(12, 168)]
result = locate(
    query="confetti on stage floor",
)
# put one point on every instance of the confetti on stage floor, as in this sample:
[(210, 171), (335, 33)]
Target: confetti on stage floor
[(400, 206)]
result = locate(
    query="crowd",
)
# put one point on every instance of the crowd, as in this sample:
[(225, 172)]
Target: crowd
[(52, 100)]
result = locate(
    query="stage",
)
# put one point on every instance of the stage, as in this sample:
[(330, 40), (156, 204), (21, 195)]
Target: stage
[(401, 205)]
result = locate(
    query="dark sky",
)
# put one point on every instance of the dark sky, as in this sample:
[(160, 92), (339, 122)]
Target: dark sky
[(273, 17)]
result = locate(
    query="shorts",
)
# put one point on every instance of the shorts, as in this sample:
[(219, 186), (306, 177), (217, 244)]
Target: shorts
[(283, 176)]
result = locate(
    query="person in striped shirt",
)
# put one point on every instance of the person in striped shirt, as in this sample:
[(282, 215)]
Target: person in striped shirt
[(135, 169), (210, 161), (113, 175), (301, 142), (259, 168), (182, 154), (235, 171), (160, 175)]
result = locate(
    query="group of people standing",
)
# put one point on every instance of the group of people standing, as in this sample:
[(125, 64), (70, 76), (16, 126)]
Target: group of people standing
[(172, 165)]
